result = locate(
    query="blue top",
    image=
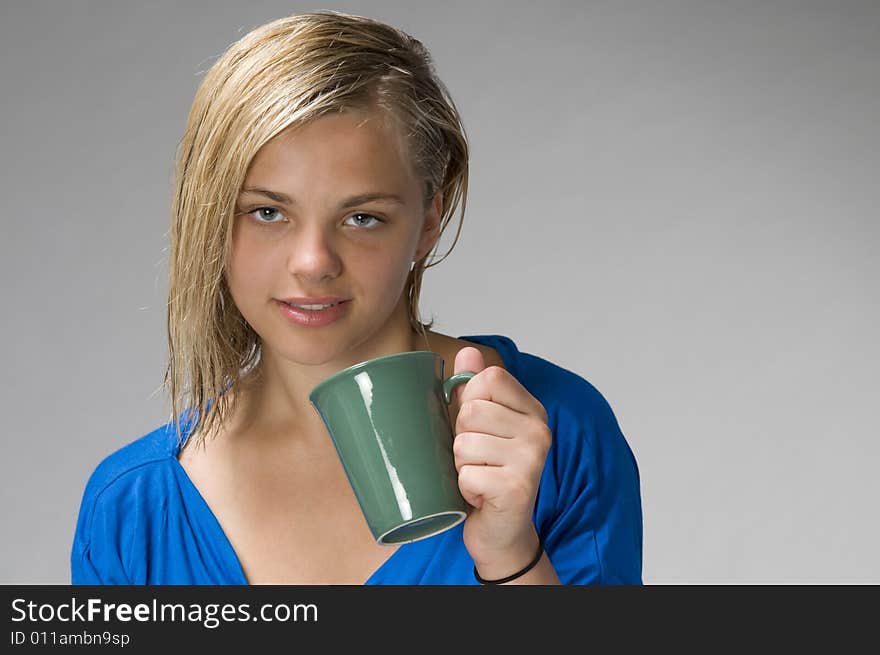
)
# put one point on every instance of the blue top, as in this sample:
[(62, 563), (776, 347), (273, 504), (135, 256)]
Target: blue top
[(143, 522)]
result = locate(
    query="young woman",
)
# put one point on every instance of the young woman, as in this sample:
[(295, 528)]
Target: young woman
[(321, 162)]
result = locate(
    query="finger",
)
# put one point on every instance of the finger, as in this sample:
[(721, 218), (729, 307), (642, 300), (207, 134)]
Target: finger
[(467, 359), (498, 385), (479, 415), (480, 450), (495, 485)]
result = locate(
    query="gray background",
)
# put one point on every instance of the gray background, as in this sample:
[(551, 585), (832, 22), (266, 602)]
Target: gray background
[(676, 200)]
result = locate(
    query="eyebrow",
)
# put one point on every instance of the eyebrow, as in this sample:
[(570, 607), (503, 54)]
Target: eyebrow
[(351, 201)]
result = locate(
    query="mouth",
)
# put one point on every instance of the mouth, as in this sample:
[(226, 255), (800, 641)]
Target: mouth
[(312, 314), (312, 307), (313, 304)]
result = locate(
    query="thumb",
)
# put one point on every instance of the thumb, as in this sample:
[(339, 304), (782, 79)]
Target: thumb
[(467, 359)]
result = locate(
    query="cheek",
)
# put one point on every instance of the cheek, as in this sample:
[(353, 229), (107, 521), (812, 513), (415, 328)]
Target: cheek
[(382, 273), (249, 270)]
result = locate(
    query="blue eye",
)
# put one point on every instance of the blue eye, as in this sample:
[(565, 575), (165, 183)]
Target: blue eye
[(369, 216), (260, 216)]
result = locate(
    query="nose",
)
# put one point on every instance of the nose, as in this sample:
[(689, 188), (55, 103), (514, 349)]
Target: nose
[(312, 256)]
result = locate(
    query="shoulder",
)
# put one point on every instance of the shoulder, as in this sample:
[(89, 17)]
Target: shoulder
[(147, 449), (567, 396), (560, 388), (125, 496), (126, 481), (585, 429)]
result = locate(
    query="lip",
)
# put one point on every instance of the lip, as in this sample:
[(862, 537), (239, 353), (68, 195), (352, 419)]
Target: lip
[(318, 300), (313, 318)]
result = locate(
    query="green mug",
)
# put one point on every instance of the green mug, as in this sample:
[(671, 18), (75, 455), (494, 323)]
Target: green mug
[(388, 418)]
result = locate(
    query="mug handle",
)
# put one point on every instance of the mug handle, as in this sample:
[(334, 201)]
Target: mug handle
[(453, 381)]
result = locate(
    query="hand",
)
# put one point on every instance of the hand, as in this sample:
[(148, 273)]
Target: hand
[(501, 443)]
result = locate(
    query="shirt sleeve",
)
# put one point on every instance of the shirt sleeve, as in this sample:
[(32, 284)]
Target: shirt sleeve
[(97, 556), (593, 530)]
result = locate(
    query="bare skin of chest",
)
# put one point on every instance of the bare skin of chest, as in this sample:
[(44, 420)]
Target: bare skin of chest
[(295, 522)]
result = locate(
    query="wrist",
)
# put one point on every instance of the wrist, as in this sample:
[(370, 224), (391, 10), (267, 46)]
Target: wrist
[(512, 563)]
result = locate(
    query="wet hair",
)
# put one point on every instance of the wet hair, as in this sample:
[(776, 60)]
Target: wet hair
[(283, 74)]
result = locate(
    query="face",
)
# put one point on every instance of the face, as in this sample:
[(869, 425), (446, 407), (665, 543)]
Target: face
[(303, 236)]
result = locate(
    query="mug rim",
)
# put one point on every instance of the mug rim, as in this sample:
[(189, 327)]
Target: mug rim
[(460, 516), (355, 368)]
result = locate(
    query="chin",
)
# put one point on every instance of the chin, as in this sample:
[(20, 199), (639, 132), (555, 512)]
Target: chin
[(314, 351)]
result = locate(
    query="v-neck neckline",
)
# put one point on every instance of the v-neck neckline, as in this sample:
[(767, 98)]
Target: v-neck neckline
[(229, 553)]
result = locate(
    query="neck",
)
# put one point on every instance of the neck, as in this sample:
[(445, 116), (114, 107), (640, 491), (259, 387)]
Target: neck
[(272, 403)]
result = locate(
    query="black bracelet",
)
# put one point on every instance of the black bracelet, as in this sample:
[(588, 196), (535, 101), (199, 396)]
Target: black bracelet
[(527, 568)]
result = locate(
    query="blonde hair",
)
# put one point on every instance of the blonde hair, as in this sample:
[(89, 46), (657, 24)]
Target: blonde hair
[(286, 73)]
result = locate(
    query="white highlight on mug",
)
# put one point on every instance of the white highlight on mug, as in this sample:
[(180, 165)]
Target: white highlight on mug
[(365, 384)]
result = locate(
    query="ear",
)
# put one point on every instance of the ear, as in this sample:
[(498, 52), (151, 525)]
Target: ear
[(430, 227)]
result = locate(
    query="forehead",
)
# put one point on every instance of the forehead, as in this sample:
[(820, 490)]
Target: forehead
[(351, 148)]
